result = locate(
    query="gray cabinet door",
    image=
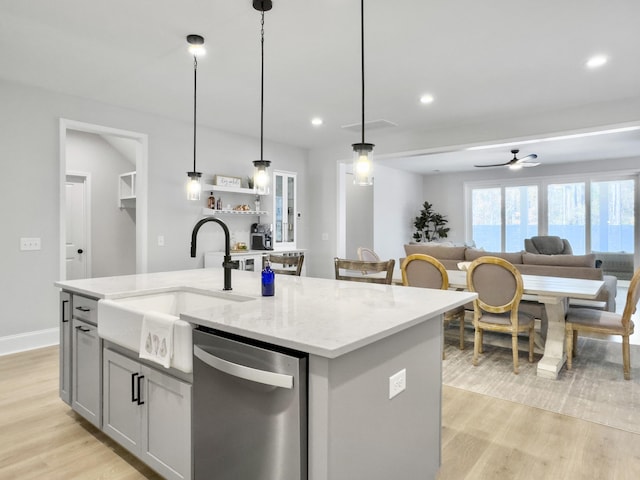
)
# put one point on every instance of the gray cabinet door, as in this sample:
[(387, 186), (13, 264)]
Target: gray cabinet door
[(166, 435), (65, 347), (122, 400), (86, 381)]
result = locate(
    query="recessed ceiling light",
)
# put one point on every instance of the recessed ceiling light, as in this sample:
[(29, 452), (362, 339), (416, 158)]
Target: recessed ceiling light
[(426, 99), (317, 121), (596, 61)]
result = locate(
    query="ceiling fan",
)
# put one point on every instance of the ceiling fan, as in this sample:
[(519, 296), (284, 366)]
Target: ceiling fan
[(516, 163)]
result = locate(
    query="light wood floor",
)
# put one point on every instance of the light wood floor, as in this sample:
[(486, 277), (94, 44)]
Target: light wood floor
[(482, 437)]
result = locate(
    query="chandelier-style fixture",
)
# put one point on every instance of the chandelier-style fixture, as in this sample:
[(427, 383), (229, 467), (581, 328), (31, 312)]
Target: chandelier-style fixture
[(362, 152), (261, 172), (196, 48)]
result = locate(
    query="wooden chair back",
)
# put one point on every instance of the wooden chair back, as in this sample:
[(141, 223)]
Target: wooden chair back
[(633, 295), (284, 264), (343, 267), (419, 270)]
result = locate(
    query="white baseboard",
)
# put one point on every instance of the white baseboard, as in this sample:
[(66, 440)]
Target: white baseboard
[(29, 341)]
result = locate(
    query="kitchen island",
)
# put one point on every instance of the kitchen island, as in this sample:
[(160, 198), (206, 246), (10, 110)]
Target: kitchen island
[(357, 336)]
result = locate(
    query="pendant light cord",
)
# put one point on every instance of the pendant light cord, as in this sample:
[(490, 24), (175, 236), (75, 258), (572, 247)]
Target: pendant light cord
[(261, 83), (195, 87), (362, 59)]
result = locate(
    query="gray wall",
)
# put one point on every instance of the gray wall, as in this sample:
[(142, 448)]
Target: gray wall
[(113, 230), (29, 194)]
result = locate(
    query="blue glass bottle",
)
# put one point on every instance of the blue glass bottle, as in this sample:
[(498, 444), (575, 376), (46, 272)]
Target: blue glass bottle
[(268, 281)]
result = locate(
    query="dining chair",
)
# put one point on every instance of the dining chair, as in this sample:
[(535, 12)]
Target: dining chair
[(353, 270), (589, 320), (419, 270), (499, 287), (284, 264), (367, 255)]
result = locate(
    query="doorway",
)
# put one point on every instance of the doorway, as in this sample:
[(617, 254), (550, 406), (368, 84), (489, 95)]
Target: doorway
[(355, 216), (138, 143)]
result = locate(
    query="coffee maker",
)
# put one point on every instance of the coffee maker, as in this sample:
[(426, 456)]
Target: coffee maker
[(261, 236)]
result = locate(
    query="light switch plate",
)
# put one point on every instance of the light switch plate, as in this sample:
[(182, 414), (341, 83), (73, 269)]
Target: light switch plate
[(31, 243)]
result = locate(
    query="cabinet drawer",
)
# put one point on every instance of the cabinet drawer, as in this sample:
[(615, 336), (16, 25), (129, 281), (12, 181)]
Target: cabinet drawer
[(85, 309)]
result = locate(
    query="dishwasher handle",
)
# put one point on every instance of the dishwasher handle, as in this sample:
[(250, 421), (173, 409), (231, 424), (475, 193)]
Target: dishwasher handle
[(242, 371)]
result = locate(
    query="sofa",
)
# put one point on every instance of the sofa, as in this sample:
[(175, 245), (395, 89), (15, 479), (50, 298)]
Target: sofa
[(571, 266)]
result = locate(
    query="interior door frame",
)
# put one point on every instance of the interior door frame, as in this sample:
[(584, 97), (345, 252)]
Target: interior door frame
[(142, 161), (87, 226)]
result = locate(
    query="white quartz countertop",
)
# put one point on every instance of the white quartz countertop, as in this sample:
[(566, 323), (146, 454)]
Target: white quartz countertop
[(323, 317)]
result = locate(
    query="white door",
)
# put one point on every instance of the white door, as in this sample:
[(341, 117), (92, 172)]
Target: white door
[(76, 227)]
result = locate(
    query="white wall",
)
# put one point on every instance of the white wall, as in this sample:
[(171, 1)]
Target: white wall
[(113, 230), (398, 198), (29, 194)]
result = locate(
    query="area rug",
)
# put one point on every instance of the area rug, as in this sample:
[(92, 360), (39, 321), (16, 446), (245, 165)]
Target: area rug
[(594, 390)]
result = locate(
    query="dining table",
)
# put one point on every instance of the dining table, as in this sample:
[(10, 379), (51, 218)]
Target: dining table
[(554, 293)]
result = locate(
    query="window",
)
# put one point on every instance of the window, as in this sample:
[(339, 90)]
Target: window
[(486, 218), (566, 214), (518, 214), (595, 215), (612, 216), (521, 215)]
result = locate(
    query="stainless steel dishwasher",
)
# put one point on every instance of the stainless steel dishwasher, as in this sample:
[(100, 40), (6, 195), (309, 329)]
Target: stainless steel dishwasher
[(249, 409)]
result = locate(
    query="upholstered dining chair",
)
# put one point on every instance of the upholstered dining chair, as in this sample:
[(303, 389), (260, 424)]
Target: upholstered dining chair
[(353, 270), (499, 287), (284, 264), (419, 270), (367, 255), (585, 320)]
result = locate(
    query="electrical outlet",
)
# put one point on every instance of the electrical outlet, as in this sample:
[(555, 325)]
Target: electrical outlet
[(397, 383), (29, 243), (161, 240)]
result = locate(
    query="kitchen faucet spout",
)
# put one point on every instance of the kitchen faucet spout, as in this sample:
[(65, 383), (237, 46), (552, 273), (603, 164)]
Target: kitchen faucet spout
[(227, 264)]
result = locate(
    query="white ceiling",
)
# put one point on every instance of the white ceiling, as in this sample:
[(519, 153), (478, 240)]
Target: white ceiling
[(482, 60)]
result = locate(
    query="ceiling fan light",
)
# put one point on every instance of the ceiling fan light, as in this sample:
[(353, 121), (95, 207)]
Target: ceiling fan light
[(515, 166)]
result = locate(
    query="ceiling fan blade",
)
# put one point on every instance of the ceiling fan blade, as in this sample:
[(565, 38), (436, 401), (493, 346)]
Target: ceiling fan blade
[(494, 165), (529, 164), (531, 156)]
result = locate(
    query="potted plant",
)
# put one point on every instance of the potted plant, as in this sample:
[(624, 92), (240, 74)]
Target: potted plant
[(430, 225)]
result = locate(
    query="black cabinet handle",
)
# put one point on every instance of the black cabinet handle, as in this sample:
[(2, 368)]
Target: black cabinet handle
[(80, 251), (83, 329), (133, 387), (140, 402), (83, 309), (62, 315)]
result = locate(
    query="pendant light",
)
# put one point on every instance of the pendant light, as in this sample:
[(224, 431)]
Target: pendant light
[(261, 172), (362, 152), (196, 47)]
